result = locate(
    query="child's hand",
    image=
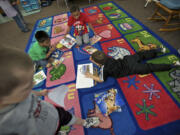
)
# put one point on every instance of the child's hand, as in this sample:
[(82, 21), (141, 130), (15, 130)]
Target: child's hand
[(43, 92), (53, 48), (54, 45), (88, 75)]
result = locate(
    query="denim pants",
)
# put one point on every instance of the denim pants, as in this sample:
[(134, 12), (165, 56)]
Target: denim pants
[(19, 19), (41, 63)]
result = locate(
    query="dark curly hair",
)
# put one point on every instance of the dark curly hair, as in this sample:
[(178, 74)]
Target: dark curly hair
[(99, 57)]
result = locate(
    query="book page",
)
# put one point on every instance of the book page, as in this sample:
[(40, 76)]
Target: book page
[(81, 80)]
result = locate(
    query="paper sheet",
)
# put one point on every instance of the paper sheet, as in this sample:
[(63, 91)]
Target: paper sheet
[(82, 81), (58, 94)]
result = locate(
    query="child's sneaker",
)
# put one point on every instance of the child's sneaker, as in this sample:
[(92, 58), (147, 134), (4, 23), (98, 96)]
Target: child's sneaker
[(177, 63), (179, 51), (92, 121), (163, 49)]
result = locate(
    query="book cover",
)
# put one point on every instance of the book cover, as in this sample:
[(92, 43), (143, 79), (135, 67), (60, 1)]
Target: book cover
[(57, 54), (95, 39), (68, 41), (109, 101), (39, 77), (89, 49)]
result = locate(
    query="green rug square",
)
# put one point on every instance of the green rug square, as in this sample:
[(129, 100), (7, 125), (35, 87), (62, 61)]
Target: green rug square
[(107, 7), (116, 14), (143, 40), (127, 25)]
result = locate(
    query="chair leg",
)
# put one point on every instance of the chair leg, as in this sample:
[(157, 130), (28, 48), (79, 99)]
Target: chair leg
[(169, 29), (154, 14), (66, 3), (147, 2), (58, 3), (168, 19)]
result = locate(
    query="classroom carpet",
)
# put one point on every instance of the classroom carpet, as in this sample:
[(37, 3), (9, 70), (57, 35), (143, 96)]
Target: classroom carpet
[(149, 103)]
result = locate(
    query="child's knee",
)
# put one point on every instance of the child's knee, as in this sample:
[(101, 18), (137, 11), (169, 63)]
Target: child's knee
[(86, 41), (86, 38), (79, 42)]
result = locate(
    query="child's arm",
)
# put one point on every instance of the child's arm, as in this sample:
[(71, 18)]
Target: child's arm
[(40, 93), (96, 78), (90, 25), (50, 51)]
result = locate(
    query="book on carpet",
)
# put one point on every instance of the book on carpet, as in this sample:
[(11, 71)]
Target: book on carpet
[(82, 81), (89, 49), (109, 101), (57, 54), (68, 41), (95, 39), (39, 77)]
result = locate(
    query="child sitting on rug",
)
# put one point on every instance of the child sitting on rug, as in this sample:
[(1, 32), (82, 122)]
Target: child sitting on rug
[(21, 112), (79, 20), (41, 50), (130, 64)]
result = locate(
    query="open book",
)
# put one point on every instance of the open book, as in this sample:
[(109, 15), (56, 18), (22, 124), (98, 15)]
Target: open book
[(68, 41), (39, 77), (81, 80), (95, 39), (89, 49)]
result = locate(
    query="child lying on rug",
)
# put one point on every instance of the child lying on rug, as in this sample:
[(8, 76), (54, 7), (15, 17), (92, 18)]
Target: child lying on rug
[(22, 112), (79, 20), (130, 64), (41, 50)]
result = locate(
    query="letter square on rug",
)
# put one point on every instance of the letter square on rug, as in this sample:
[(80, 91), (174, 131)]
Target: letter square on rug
[(92, 10), (63, 74)]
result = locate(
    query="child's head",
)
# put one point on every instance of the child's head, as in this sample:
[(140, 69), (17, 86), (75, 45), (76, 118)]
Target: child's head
[(98, 57), (16, 73), (43, 38), (75, 11)]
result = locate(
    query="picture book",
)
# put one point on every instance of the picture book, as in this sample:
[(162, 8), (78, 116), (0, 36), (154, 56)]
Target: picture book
[(39, 77), (57, 54), (95, 39), (109, 101), (82, 81), (89, 49), (68, 41)]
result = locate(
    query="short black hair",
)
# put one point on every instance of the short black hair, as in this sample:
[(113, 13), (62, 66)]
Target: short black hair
[(12, 59), (41, 36), (99, 57), (74, 8)]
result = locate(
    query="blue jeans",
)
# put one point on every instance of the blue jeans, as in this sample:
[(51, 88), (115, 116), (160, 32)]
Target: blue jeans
[(41, 63), (19, 19)]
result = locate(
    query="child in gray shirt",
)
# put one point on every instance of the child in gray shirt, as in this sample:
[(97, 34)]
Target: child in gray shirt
[(22, 112)]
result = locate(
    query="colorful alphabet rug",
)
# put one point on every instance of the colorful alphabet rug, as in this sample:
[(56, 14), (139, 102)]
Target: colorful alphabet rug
[(132, 105)]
